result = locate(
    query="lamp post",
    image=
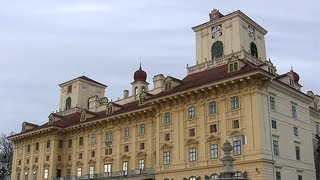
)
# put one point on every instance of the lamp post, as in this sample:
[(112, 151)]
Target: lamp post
[(3, 164)]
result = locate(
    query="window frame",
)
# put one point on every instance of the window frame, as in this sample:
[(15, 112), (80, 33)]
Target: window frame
[(166, 118), (212, 107), (274, 124), (107, 169), (272, 102), (276, 148), (235, 102), (166, 158), (192, 154), (214, 151), (237, 149), (191, 112)]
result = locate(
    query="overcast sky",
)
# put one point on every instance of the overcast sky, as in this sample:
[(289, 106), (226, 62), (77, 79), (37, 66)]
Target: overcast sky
[(44, 43)]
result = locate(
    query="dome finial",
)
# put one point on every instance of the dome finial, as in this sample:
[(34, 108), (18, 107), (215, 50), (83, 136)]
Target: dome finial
[(140, 65)]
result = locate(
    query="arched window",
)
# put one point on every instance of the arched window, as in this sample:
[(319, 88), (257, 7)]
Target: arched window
[(217, 49), (254, 50), (88, 103), (192, 178), (68, 103), (135, 90)]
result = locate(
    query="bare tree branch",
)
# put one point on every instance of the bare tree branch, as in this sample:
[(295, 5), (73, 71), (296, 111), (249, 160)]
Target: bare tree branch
[(6, 154)]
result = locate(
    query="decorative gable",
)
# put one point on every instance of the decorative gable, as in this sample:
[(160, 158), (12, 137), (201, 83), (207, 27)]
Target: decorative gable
[(171, 82), (26, 126), (113, 107), (86, 115), (53, 117), (235, 64)]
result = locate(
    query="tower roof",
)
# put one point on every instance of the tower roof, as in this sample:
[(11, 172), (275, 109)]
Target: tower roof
[(140, 75)]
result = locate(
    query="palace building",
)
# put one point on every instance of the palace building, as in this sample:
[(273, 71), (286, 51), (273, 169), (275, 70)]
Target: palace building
[(175, 129)]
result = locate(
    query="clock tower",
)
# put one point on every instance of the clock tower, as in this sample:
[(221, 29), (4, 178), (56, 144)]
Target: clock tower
[(223, 36)]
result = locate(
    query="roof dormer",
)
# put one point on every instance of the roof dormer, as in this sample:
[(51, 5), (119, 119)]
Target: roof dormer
[(86, 115), (170, 83), (53, 117), (113, 107), (26, 126), (235, 64)]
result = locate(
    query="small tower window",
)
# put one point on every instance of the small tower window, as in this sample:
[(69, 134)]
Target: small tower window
[(135, 90), (254, 50), (68, 103), (217, 49)]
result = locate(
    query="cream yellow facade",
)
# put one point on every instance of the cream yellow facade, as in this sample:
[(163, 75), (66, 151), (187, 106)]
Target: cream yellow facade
[(176, 130)]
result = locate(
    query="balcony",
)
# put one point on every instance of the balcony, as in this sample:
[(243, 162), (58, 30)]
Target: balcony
[(136, 174)]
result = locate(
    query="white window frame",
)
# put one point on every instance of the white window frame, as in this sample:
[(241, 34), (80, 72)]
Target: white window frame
[(107, 169), (214, 151)]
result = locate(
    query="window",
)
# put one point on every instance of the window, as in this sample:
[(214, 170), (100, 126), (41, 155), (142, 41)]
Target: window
[(235, 124), (213, 128), (79, 172), (192, 178), (109, 136), (192, 154), (274, 124), (28, 148), (166, 158), (37, 146), (80, 141), (19, 162), (93, 153), (141, 164), (80, 155), (27, 161), (91, 172), (234, 102), (254, 50), (141, 129), (278, 176), (46, 173), (297, 152), (236, 147), (192, 132), (272, 103), (48, 143), (295, 131), (317, 128), (125, 168), (291, 82), (299, 177), (212, 107), (294, 111), (167, 136), (109, 110), (275, 147), (59, 158), (141, 146), (108, 151), (126, 148), (69, 143), (214, 151), (69, 157), (233, 66), (68, 103), (93, 138), (217, 49), (69, 89), (107, 169), (60, 144), (36, 160), (166, 118), (191, 112), (126, 132), (167, 86), (47, 158)]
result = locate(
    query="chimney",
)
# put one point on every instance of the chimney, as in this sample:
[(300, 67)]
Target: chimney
[(125, 94), (158, 81)]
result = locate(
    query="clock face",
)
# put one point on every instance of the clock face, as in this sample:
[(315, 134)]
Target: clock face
[(252, 32), (216, 31)]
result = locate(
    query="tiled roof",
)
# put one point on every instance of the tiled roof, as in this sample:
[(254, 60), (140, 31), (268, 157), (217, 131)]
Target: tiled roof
[(190, 81), (84, 78), (205, 77)]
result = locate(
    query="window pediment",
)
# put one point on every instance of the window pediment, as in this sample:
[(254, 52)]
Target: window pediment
[(125, 156), (191, 141), (141, 154), (108, 159), (213, 138), (113, 107), (92, 162), (235, 133), (79, 163), (166, 146), (171, 82)]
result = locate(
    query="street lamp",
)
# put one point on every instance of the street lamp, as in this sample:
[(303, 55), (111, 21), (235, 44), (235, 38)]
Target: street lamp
[(3, 165)]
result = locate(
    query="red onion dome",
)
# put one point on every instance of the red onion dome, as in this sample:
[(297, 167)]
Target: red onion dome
[(295, 76), (140, 75)]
